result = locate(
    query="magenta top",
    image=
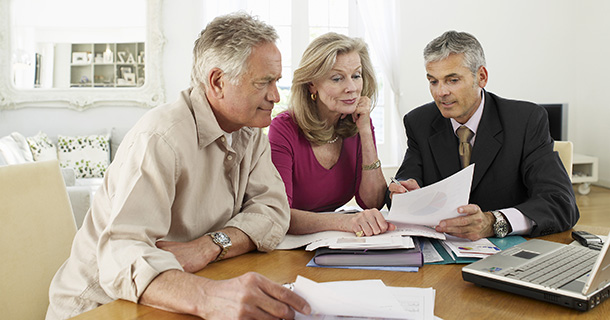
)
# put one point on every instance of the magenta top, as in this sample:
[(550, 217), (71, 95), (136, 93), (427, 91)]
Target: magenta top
[(309, 185)]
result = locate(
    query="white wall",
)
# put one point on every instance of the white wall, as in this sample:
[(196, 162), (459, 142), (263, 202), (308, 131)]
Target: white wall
[(539, 50)]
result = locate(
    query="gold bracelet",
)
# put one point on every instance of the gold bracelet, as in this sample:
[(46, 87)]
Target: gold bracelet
[(373, 166)]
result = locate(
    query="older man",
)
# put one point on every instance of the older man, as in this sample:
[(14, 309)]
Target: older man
[(192, 183), (519, 184)]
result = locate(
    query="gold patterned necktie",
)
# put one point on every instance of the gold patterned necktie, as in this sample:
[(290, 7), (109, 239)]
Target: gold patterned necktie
[(464, 134)]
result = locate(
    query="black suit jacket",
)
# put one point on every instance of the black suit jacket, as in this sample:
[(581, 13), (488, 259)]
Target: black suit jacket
[(515, 165)]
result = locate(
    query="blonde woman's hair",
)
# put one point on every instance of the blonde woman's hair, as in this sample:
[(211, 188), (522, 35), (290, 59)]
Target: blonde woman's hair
[(226, 43), (318, 59)]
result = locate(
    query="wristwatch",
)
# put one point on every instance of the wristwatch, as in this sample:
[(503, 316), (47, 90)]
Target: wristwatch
[(223, 241), (501, 225), (372, 166)]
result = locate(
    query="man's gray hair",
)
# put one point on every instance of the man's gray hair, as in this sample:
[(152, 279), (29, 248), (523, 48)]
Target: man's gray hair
[(453, 42), (226, 43)]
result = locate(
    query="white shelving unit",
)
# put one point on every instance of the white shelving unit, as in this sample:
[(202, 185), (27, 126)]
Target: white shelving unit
[(109, 65), (584, 171)]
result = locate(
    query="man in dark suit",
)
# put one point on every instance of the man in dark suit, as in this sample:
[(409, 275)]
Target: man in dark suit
[(520, 185)]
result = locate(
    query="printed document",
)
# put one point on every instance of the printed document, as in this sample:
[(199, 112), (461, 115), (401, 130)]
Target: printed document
[(431, 204)]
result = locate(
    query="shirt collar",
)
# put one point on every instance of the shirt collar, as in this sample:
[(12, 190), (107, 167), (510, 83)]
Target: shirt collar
[(473, 122), (208, 129)]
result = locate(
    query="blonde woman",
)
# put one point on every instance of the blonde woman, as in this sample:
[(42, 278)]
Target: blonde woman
[(324, 145)]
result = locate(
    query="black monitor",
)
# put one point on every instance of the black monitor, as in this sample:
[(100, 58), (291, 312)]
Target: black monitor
[(558, 120)]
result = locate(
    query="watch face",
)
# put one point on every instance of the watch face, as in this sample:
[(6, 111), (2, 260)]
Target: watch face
[(221, 238), (501, 225), (502, 230)]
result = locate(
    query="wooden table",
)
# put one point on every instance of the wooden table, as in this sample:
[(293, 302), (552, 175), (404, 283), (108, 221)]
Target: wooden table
[(455, 298)]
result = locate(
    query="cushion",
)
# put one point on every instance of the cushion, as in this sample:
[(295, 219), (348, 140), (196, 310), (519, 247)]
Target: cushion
[(89, 156), (15, 149), (42, 147)]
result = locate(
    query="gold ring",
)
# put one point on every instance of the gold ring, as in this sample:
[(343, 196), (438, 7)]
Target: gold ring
[(360, 233)]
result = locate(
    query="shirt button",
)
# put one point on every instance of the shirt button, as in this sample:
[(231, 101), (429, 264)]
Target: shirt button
[(229, 157), (222, 139)]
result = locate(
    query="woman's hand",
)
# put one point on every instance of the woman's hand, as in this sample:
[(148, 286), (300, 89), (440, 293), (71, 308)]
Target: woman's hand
[(362, 114), (368, 223)]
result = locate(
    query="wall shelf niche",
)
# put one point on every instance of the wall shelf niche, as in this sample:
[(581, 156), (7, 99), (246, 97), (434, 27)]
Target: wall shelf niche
[(107, 65)]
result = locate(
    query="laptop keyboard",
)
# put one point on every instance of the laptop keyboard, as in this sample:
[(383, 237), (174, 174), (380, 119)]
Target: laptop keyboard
[(557, 268)]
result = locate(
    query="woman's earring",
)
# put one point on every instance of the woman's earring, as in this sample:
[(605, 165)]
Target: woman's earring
[(314, 96)]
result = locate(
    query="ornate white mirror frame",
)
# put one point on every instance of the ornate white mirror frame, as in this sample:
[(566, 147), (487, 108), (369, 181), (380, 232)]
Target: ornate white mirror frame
[(148, 95)]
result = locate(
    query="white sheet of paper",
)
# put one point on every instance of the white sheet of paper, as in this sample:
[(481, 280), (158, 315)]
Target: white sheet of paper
[(292, 241), (418, 231), (431, 204), (418, 303), (364, 298)]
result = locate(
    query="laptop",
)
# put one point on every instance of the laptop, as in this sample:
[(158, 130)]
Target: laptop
[(573, 276)]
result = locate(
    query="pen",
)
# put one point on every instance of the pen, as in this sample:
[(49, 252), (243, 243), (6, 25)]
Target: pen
[(398, 183)]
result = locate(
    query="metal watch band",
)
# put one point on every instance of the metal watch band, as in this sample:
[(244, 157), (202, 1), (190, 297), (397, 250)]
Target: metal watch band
[(372, 166), (501, 225), (223, 241)]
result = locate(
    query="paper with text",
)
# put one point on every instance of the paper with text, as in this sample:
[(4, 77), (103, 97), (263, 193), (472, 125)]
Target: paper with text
[(431, 204)]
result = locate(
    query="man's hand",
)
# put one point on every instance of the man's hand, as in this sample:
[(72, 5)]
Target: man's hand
[(249, 296), (407, 185), (193, 255), (474, 224), (368, 222)]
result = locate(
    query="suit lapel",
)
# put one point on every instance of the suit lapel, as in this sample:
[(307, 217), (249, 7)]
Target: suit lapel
[(443, 144), (488, 141)]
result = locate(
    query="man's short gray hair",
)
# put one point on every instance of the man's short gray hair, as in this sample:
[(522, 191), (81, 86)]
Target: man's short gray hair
[(453, 42), (226, 43)]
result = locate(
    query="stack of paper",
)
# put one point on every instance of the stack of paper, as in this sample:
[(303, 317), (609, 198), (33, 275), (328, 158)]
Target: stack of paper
[(364, 299), (458, 250), (471, 249), (429, 253), (413, 213), (391, 239), (378, 242), (371, 257)]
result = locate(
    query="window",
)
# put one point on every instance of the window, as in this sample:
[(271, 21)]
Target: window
[(297, 23)]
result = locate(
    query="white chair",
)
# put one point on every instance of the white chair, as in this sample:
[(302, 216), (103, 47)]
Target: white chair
[(565, 150), (36, 232)]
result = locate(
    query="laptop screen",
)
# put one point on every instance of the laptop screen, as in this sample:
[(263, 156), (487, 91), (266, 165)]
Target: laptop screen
[(600, 274)]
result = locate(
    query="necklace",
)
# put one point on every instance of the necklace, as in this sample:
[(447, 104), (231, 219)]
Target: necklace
[(333, 140)]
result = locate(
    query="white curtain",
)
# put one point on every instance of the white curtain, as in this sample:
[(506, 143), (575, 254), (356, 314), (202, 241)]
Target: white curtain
[(381, 22)]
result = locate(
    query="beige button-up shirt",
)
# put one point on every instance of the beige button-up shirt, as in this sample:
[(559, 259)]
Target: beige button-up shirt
[(173, 178)]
